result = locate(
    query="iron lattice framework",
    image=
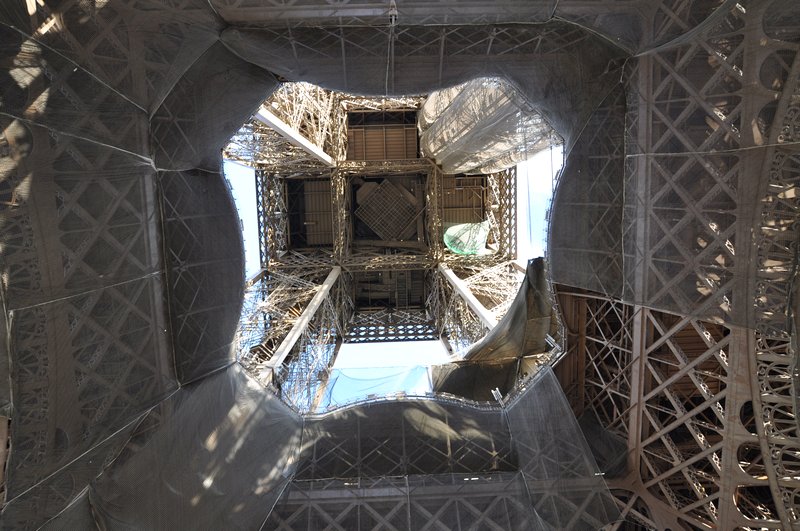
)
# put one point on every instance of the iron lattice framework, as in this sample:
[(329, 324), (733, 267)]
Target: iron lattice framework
[(458, 324), (495, 286), (304, 373), (383, 325), (702, 395), (702, 391), (317, 114), (668, 386), (279, 294), (502, 211)]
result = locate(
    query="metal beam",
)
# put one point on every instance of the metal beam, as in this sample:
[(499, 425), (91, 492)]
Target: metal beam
[(486, 317), (293, 136), (300, 325)]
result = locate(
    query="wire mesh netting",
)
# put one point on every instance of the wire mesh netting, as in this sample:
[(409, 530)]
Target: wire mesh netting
[(482, 126), (121, 256), (427, 464)]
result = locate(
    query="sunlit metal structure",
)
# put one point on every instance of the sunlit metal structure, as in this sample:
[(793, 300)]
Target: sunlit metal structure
[(347, 190), (673, 246)]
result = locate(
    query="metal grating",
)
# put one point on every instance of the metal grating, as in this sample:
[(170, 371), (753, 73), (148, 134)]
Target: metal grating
[(388, 212), (383, 325)]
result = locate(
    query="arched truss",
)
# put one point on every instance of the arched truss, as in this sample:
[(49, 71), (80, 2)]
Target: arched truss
[(701, 391), (721, 341)]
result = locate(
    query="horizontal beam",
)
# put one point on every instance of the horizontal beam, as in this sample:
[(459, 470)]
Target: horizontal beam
[(293, 136), (326, 16), (485, 316)]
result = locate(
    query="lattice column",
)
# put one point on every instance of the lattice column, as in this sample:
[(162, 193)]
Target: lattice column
[(685, 180), (503, 210), (456, 322), (701, 158), (275, 300), (609, 340), (433, 206), (273, 216), (678, 389), (80, 262), (496, 286), (303, 376), (345, 306), (774, 371), (316, 113), (684, 388), (342, 227)]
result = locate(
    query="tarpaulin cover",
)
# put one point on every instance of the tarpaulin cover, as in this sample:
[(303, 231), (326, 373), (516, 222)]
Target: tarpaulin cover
[(475, 380), (227, 465), (483, 126), (427, 464), (524, 328), (467, 238), (121, 263)]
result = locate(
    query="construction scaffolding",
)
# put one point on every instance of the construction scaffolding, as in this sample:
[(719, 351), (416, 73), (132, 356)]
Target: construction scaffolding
[(278, 181), (673, 246), (316, 120)]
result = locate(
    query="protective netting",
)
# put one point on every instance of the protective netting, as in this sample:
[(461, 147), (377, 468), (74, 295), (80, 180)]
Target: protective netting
[(475, 380), (655, 203), (122, 264), (541, 61), (467, 238), (482, 126), (608, 449), (585, 229), (567, 488), (524, 330), (205, 270), (493, 364), (209, 103), (183, 471), (426, 464), (348, 385), (77, 515)]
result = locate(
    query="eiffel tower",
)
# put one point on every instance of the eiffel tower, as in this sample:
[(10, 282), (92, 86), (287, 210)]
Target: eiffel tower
[(642, 375)]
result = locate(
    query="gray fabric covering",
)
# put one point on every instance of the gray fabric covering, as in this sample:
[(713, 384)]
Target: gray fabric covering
[(30, 509), (526, 324), (215, 96), (76, 516), (483, 126), (205, 270), (449, 464), (493, 362), (609, 450), (547, 80), (475, 380), (562, 477), (223, 468), (121, 259)]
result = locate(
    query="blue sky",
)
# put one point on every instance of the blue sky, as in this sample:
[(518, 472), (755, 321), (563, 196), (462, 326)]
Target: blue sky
[(534, 191), (243, 183)]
